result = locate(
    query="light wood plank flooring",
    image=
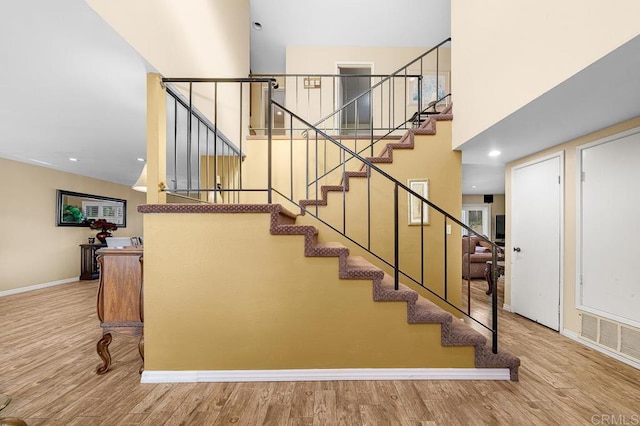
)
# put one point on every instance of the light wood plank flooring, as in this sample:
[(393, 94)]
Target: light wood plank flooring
[(47, 363)]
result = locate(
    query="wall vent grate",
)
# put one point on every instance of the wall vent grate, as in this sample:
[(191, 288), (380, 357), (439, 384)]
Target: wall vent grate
[(630, 342), (589, 327), (619, 338), (608, 334)]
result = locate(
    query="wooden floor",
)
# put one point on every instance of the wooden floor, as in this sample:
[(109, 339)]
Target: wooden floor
[(47, 363)]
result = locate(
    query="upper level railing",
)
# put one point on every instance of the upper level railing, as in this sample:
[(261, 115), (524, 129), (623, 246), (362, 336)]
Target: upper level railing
[(198, 150), (318, 95), (361, 106)]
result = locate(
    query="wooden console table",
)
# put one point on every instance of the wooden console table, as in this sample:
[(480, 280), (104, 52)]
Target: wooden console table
[(89, 269), (120, 298)]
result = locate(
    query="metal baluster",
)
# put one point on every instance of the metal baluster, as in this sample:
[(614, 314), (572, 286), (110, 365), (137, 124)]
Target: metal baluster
[(269, 142), (240, 155), (215, 143), (190, 118), (396, 239)]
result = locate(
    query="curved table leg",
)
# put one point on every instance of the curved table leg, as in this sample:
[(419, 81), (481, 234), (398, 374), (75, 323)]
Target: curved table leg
[(4, 401), (487, 276), (103, 352), (141, 350), (12, 421)]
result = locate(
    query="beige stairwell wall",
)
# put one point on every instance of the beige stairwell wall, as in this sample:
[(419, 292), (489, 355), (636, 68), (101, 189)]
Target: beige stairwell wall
[(255, 302), (382, 60), (519, 50)]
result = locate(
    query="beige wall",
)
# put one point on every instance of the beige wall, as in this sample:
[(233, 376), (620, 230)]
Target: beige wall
[(432, 159), (268, 308), (570, 313), (519, 50), (198, 38), (33, 250), (315, 104)]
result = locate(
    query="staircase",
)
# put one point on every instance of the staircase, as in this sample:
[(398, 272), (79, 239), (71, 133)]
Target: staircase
[(386, 288), (419, 309)]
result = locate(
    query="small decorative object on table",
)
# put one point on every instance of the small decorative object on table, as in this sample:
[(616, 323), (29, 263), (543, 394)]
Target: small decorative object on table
[(105, 227)]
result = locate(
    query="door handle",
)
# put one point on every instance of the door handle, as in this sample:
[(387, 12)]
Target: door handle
[(517, 249)]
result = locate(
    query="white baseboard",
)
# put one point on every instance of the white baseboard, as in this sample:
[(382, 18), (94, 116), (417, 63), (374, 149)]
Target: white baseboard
[(325, 374), (36, 286), (574, 336), (507, 308)]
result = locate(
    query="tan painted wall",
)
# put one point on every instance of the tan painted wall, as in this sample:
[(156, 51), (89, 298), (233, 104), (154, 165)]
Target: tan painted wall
[(268, 308), (198, 38), (287, 171), (33, 249), (431, 159), (570, 313), (315, 104), (506, 53)]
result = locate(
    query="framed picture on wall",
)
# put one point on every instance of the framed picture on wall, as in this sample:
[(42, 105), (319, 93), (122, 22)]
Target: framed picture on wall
[(429, 93), (418, 210)]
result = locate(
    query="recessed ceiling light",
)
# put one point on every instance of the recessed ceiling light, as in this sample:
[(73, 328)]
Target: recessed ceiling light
[(473, 186), (494, 153), (75, 160), (256, 25), (140, 160)]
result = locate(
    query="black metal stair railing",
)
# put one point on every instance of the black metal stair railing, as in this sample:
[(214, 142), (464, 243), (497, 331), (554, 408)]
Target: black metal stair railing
[(203, 164), (405, 253), (316, 95), (368, 216), (390, 122)]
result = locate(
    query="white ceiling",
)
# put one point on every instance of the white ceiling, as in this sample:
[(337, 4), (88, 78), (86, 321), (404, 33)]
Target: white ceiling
[(71, 87), (343, 23)]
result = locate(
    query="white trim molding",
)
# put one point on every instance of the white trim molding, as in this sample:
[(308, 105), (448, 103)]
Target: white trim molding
[(325, 375), (574, 336), (36, 287)]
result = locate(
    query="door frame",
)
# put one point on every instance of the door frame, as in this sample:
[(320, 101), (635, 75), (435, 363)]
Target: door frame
[(483, 207), (347, 64), (509, 242)]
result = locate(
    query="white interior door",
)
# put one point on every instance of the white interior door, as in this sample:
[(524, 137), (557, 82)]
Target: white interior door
[(536, 217)]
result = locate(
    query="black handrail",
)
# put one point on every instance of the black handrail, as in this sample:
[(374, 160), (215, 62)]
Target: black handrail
[(393, 74), (398, 127), (399, 185), (195, 121)]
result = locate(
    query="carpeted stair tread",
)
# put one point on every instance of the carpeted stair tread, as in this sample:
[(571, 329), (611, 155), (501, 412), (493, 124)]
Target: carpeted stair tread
[(386, 292), (461, 334), (294, 230), (330, 249), (427, 312), (379, 159), (485, 358), (357, 267)]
